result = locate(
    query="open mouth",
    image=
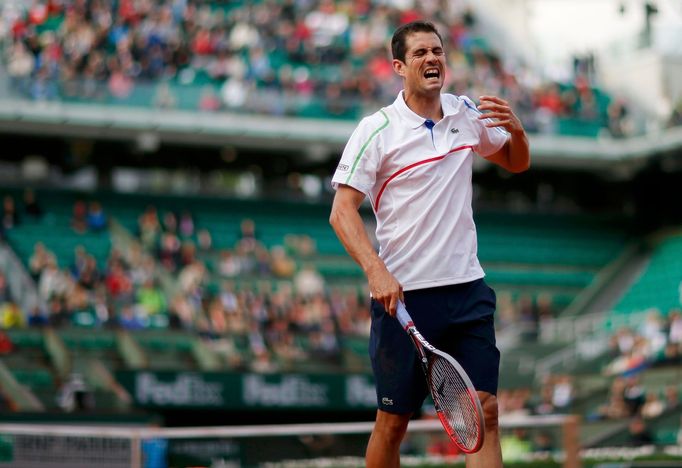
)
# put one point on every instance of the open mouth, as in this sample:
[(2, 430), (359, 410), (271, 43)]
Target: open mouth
[(432, 74)]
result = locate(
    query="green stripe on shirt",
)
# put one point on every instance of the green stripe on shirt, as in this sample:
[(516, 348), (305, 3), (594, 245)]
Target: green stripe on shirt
[(364, 146)]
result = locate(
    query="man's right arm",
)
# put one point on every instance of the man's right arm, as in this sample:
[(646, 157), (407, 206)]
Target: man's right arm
[(347, 223)]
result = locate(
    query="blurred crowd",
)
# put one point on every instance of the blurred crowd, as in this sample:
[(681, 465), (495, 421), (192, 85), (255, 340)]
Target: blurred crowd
[(269, 304), (525, 311), (267, 309), (657, 340), (322, 58), (629, 398)]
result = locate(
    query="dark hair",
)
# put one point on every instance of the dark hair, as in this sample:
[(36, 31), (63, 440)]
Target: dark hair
[(398, 47)]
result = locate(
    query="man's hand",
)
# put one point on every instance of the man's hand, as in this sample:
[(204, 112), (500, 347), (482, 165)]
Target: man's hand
[(514, 156), (385, 288), (500, 110)]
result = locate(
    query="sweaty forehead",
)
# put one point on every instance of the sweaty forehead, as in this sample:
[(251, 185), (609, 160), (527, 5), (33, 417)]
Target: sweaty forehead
[(422, 40)]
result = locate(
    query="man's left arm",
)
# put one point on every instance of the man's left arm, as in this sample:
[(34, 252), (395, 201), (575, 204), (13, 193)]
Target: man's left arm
[(514, 156)]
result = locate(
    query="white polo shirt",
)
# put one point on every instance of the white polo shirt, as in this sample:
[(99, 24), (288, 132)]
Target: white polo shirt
[(419, 184)]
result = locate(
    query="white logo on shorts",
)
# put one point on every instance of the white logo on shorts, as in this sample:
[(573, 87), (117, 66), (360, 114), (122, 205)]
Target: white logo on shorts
[(386, 401)]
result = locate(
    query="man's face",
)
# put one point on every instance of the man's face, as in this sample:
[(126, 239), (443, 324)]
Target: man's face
[(424, 67)]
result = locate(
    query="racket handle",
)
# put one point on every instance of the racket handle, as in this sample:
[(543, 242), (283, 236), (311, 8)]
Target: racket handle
[(402, 315)]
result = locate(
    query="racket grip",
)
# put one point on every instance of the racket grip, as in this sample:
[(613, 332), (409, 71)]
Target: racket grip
[(402, 315)]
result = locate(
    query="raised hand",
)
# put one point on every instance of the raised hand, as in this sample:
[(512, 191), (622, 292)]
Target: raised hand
[(501, 111)]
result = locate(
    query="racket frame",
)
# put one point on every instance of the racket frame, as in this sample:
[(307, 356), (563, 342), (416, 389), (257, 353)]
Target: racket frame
[(423, 347)]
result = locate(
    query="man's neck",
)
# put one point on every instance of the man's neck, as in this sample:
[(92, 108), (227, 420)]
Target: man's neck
[(428, 107)]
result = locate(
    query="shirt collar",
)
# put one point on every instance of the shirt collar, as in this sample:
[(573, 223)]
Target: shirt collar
[(413, 119)]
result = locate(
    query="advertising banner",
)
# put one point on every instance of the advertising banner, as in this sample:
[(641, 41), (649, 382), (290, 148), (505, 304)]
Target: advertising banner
[(236, 391)]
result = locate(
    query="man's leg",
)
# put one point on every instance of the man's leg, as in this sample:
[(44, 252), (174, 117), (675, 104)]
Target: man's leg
[(383, 450), (490, 455)]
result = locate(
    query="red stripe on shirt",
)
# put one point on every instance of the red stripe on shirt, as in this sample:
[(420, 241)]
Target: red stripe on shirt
[(413, 165)]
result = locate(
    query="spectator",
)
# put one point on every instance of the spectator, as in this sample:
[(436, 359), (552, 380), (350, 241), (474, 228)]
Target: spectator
[(170, 223), (169, 251), (79, 218), (151, 299), (618, 119), (187, 253), (5, 293), (6, 345), (75, 395), (545, 307), (129, 319), (638, 433), (37, 319), (308, 282), (529, 318), (281, 265), (79, 261), (118, 283), (11, 316), (31, 206), (149, 227), (653, 406), (515, 445), (10, 217), (52, 281), (209, 101), (676, 115), (562, 394), (58, 315), (120, 83), (634, 395), (248, 241), (324, 343), (96, 219), (164, 97), (89, 276), (39, 259), (675, 328), (542, 442), (229, 265), (186, 224), (672, 398), (19, 67), (615, 407), (545, 406), (300, 245)]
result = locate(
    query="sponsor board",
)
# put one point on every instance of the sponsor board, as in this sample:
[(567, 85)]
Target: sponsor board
[(249, 391)]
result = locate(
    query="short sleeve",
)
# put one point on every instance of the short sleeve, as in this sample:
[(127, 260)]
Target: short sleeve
[(490, 139), (361, 156)]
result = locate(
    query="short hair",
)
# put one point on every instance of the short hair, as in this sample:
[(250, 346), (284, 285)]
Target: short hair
[(398, 47)]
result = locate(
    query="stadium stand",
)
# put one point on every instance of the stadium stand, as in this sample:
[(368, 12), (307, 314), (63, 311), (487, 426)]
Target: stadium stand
[(206, 266), (178, 284), (316, 59)]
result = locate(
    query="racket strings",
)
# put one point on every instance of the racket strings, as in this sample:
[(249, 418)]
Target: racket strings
[(452, 396)]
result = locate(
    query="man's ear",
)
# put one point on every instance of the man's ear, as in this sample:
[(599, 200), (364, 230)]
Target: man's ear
[(399, 67)]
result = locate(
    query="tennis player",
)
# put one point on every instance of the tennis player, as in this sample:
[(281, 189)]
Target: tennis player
[(413, 160)]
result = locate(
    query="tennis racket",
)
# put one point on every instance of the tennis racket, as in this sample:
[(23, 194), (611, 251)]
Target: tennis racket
[(454, 396)]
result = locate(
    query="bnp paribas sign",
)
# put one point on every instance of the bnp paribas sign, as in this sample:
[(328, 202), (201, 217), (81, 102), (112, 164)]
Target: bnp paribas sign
[(249, 391)]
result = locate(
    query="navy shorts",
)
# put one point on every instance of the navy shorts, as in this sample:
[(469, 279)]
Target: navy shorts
[(457, 319)]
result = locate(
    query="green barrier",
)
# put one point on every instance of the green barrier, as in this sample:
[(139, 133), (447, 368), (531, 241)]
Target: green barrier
[(6, 449), (235, 391)]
